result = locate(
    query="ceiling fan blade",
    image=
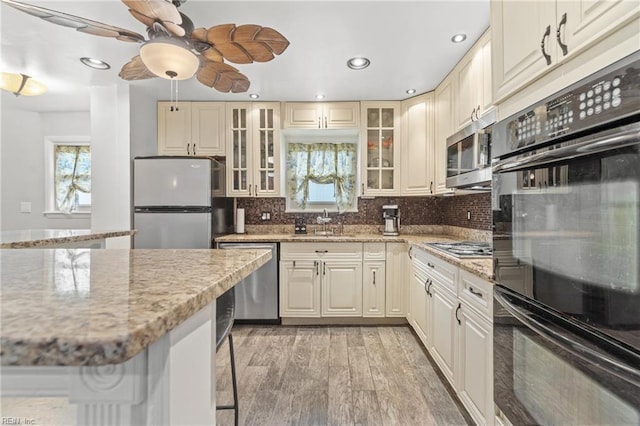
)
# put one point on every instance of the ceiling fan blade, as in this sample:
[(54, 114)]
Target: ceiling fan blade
[(244, 44), (135, 69), (276, 41), (161, 11), (80, 24), (222, 77)]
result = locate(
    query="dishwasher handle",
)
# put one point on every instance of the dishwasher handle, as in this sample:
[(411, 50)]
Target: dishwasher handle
[(225, 246)]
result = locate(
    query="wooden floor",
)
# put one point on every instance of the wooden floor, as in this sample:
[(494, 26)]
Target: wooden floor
[(291, 375)]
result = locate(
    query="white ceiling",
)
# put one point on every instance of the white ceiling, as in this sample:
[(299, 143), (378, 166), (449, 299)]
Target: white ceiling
[(408, 43)]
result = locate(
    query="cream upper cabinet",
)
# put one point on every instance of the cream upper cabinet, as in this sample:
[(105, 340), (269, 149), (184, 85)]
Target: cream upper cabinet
[(253, 151), (473, 79), (191, 128), (380, 135), (531, 38), (328, 115), (417, 153), (444, 127)]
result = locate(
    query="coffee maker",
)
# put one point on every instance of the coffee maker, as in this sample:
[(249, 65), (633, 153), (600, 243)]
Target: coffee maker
[(391, 217)]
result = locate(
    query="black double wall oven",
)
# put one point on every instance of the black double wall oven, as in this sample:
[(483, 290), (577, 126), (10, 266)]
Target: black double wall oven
[(566, 213)]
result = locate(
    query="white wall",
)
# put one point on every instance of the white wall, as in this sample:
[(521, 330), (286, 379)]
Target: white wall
[(144, 129), (110, 161), (22, 165)]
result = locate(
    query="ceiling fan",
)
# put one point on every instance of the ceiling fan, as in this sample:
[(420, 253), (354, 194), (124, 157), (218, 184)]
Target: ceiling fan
[(175, 49)]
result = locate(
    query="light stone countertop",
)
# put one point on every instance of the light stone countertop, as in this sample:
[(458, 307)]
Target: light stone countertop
[(481, 267), (33, 238), (97, 307)]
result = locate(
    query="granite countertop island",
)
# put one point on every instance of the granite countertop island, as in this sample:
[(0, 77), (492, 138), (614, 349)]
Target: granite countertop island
[(95, 307), (34, 238), (127, 336), (481, 267)]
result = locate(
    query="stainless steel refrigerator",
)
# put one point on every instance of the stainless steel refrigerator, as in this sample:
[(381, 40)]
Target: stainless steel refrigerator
[(179, 202)]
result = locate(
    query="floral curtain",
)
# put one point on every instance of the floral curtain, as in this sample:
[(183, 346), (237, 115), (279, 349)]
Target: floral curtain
[(72, 175), (322, 163)]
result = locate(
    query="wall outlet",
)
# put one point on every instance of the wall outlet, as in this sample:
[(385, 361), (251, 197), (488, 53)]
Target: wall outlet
[(468, 214), (265, 216)]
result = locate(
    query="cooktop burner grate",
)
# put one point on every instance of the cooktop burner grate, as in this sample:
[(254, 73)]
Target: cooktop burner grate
[(465, 249)]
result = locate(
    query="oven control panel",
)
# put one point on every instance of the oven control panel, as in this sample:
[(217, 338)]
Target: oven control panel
[(607, 96)]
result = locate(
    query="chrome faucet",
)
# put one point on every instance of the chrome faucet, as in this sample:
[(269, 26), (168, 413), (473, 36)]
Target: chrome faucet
[(325, 214), (324, 219)]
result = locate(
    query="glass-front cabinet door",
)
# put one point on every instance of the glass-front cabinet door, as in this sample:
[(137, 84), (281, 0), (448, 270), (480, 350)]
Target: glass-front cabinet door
[(253, 154), (267, 139), (380, 133), (238, 149)]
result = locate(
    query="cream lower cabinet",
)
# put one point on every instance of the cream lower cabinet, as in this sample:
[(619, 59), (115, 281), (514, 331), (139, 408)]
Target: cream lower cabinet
[(419, 303), (443, 318), (451, 312), (374, 279), (397, 279), (320, 279)]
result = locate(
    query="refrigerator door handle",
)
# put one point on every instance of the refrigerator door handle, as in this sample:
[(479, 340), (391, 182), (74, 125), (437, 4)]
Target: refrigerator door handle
[(558, 336)]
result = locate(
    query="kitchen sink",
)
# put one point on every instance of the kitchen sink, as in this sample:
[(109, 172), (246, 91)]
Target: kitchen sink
[(324, 234)]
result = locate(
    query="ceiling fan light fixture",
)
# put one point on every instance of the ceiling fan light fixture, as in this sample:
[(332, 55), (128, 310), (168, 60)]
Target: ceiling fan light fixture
[(21, 84), (95, 63), (358, 63), (170, 59)]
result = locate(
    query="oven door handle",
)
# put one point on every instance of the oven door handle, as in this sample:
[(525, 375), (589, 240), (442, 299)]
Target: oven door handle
[(617, 138), (552, 332)]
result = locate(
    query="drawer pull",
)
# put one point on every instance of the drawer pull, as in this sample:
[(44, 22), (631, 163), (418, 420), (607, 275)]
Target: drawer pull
[(475, 293), (322, 251), (431, 265)]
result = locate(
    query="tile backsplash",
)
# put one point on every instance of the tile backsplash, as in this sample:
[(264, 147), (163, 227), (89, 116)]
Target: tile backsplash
[(450, 211)]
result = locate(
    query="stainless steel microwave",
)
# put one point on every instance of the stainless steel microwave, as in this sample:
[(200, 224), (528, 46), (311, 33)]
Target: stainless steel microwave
[(469, 155)]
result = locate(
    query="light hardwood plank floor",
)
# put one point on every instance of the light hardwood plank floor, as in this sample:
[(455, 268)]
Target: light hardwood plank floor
[(327, 375)]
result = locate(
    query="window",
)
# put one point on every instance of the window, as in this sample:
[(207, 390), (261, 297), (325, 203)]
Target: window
[(68, 175), (321, 175)]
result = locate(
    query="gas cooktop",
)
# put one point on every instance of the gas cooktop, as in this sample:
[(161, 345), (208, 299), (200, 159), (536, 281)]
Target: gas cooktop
[(465, 249)]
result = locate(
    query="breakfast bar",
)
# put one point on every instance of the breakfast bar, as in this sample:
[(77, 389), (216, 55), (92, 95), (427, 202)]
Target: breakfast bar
[(127, 335)]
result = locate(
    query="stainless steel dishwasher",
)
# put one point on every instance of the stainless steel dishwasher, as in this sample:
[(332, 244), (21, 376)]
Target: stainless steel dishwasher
[(257, 295)]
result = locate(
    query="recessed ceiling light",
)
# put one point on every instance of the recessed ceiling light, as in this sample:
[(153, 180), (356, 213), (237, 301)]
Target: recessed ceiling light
[(254, 95), (358, 63), (95, 63), (319, 96), (459, 38), (411, 91)]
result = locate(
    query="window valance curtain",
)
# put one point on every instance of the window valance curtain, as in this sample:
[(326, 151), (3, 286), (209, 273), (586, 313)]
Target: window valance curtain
[(322, 163), (73, 175)]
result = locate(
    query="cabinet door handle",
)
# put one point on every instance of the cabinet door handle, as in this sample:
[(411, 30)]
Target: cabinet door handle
[(322, 251), (429, 288), (475, 293), (431, 187), (546, 34), (188, 152), (324, 268), (319, 122), (249, 189), (325, 122), (317, 264), (425, 286), (563, 22), (477, 112), (294, 264), (362, 189), (473, 112), (374, 277), (194, 149), (410, 251), (457, 309)]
